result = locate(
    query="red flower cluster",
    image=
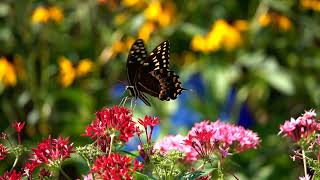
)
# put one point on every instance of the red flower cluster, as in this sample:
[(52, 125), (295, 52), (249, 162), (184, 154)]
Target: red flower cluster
[(207, 137), (3, 152), (301, 127), (116, 121), (115, 166), (51, 152), (12, 175)]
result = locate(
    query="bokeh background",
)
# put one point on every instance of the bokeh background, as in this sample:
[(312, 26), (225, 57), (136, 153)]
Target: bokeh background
[(251, 62)]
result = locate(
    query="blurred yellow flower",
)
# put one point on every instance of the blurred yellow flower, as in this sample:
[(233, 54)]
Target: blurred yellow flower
[(40, 15), (67, 72), (146, 30), (153, 11), (275, 19), (85, 66), (264, 20), (310, 4), (284, 23), (162, 14), (241, 25), (7, 73), (131, 3), (198, 43), (117, 47), (222, 35), (56, 13)]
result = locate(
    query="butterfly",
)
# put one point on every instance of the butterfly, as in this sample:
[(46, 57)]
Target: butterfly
[(150, 74)]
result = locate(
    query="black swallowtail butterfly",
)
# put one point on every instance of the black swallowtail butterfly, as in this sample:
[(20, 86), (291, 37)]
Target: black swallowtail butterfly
[(151, 74)]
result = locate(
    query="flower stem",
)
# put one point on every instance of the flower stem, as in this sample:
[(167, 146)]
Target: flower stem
[(64, 174), (220, 174), (111, 141), (304, 163), (15, 163)]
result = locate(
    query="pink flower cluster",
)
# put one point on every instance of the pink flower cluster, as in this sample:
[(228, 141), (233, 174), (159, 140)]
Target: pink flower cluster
[(207, 137), (115, 120), (302, 127), (115, 166), (176, 143)]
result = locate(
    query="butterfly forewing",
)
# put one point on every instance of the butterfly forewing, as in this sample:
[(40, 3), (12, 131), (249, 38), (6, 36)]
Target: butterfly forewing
[(136, 55), (159, 58)]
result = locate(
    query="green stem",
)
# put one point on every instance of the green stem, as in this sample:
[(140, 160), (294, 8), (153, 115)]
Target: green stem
[(64, 174), (220, 174), (304, 162), (15, 163)]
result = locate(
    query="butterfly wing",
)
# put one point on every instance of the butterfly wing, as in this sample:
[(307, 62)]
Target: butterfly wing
[(157, 80), (136, 55), (158, 59), (162, 84)]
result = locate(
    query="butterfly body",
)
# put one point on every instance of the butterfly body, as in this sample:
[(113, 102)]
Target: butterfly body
[(151, 74)]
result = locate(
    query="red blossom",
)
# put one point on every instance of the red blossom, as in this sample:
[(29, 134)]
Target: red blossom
[(13, 175), (18, 126), (44, 173), (115, 166), (3, 152), (302, 127), (29, 167), (115, 120), (149, 121), (50, 151)]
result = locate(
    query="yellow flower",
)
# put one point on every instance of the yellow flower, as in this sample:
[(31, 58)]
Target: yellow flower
[(130, 3), (153, 11), (67, 72), (146, 30), (7, 73), (264, 20), (117, 47), (284, 23), (85, 66), (167, 14), (198, 43), (222, 35), (40, 15), (241, 25), (55, 13)]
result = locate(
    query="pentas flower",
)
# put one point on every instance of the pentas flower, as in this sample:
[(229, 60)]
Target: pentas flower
[(44, 173), (18, 126), (29, 167), (145, 122), (146, 149), (115, 121), (115, 166), (226, 135), (52, 152), (12, 175), (302, 127), (3, 152), (176, 143)]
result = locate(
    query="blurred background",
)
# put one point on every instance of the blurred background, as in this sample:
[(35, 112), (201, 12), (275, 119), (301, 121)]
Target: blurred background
[(251, 62)]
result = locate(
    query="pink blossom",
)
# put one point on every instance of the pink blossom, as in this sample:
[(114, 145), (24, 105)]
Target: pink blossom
[(228, 135), (176, 143), (301, 127), (307, 177)]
